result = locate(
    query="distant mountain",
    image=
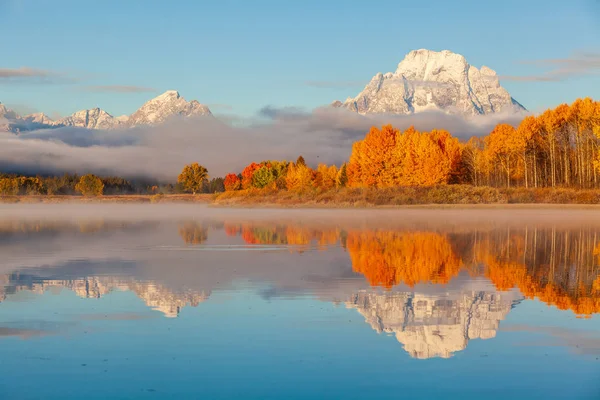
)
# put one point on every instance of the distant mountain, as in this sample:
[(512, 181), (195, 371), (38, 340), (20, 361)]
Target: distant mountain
[(156, 111), (7, 113), (7, 118), (38, 118), (95, 118), (165, 106), (430, 80)]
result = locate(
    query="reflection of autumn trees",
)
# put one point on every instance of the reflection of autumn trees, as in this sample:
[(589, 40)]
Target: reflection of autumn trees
[(193, 233), (558, 267), (11, 227), (390, 258), (196, 232), (274, 234), (232, 230)]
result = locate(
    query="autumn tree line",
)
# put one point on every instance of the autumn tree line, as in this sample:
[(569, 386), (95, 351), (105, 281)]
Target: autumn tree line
[(92, 185), (558, 148), (286, 175), (88, 185)]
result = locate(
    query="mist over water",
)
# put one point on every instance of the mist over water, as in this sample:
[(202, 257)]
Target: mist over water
[(96, 292)]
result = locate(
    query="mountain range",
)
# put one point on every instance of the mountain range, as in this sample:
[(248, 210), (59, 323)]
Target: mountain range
[(153, 112), (424, 80)]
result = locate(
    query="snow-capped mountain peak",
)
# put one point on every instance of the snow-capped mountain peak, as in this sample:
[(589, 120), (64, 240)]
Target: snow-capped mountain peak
[(433, 80), (165, 106), (167, 96)]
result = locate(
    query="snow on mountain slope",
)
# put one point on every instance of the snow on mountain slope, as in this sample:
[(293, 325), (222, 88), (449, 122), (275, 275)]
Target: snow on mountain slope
[(165, 106), (39, 118), (95, 118), (158, 110), (430, 80), (7, 119)]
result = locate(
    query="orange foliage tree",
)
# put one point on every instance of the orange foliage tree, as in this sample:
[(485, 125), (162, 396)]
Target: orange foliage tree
[(326, 177), (371, 161), (299, 176), (427, 158), (505, 145), (388, 157)]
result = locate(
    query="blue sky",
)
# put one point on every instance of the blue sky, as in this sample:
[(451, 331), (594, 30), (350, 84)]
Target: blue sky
[(239, 56)]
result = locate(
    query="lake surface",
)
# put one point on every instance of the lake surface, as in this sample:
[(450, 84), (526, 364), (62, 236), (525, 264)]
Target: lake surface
[(184, 301)]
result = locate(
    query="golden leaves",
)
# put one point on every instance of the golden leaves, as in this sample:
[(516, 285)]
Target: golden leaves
[(193, 177), (388, 157), (298, 177), (389, 258)]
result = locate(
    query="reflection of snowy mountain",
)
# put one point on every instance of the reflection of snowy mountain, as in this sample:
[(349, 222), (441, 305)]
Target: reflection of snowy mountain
[(435, 326), (154, 295)]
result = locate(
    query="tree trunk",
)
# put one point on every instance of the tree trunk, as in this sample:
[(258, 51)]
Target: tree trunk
[(525, 162), (508, 172)]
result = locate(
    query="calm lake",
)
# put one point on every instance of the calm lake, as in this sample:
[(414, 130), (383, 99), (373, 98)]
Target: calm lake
[(103, 301)]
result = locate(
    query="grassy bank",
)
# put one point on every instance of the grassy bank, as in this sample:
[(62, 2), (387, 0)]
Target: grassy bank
[(347, 197), (399, 196), (157, 198)]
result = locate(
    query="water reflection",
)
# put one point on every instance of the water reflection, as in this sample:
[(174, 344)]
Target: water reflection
[(154, 295), (434, 326), (434, 286), (559, 267)]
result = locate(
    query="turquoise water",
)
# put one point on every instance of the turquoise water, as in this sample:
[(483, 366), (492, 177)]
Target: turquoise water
[(227, 306)]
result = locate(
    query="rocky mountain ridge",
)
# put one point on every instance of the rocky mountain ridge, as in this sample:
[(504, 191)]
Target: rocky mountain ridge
[(155, 111), (429, 80)]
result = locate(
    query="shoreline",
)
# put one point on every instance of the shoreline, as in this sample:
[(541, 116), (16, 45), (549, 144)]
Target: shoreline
[(119, 198), (210, 201), (442, 196)]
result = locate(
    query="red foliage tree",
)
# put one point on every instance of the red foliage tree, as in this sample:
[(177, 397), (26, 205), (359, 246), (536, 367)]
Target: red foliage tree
[(232, 182), (247, 174)]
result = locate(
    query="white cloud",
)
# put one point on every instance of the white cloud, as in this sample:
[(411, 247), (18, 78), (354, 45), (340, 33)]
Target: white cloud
[(322, 135)]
